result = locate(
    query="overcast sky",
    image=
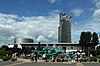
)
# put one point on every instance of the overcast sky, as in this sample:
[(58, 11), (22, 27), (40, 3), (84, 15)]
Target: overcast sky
[(39, 19)]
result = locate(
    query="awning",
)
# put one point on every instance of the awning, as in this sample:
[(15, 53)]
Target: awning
[(46, 48), (69, 52), (62, 55), (34, 50)]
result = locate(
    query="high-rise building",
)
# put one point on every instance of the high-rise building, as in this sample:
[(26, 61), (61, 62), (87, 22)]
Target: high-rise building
[(64, 29)]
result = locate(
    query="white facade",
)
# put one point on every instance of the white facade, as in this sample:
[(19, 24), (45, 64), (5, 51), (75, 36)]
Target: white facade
[(65, 46), (11, 46), (73, 48), (19, 40)]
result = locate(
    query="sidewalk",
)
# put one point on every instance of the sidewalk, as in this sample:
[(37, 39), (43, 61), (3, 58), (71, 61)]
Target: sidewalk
[(42, 61), (21, 61), (27, 60)]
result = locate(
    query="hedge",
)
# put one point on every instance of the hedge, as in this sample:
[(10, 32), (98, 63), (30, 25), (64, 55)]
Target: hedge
[(6, 58)]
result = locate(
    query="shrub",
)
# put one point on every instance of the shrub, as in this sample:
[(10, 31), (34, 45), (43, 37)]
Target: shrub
[(98, 57), (94, 59), (83, 56), (84, 60), (13, 59), (0, 57), (6, 58)]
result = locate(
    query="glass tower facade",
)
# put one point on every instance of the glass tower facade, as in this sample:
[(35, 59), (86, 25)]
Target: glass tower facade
[(64, 29)]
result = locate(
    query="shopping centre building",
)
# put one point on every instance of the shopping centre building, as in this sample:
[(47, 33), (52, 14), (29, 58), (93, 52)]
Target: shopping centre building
[(29, 43)]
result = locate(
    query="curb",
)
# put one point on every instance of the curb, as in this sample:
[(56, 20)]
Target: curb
[(89, 62)]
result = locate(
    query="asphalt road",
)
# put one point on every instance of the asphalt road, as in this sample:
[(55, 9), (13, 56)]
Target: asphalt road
[(47, 64), (58, 64), (4, 63), (91, 64), (8, 63)]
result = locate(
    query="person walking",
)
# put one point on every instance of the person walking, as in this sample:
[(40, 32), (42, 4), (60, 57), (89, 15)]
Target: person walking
[(76, 57), (91, 57), (36, 56), (58, 58), (32, 57), (73, 58), (44, 57)]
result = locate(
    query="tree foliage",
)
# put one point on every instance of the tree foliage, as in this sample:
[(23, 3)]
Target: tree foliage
[(95, 40), (3, 52), (87, 39), (98, 50), (4, 47)]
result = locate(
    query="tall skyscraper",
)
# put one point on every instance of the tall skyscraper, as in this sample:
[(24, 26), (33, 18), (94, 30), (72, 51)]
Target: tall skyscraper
[(64, 29)]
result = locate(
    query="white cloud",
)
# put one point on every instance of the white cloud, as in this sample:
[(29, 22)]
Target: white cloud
[(52, 1), (96, 17), (96, 13), (92, 25), (96, 20), (75, 23), (41, 38), (55, 12), (43, 28), (97, 3), (77, 11), (31, 27)]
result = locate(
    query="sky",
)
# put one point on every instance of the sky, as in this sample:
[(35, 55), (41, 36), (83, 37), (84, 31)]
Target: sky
[(39, 19)]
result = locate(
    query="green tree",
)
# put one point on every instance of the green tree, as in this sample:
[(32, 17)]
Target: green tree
[(5, 47), (94, 40), (3, 52), (98, 50), (88, 40), (82, 41), (85, 39)]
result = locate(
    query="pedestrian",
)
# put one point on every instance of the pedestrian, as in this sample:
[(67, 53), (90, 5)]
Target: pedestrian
[(44, 57), (91, 57), (58, 58), (52, 59), (36, 56), (76, 57), (73, 58), (32, 57)]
